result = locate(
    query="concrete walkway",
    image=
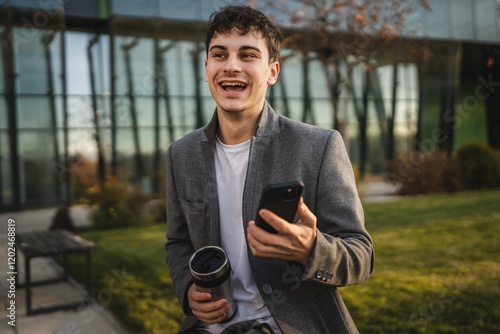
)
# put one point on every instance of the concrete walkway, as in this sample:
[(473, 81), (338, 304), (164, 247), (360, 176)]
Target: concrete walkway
[(378, 191), (90, 319)]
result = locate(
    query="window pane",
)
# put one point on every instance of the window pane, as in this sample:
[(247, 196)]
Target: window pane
[(135, 8), (190, 9), (35, 142), (77, 65), (85, 8), (80, 113), (185, 10), (33, 112), (78, 68), (5, 168), (323, 112), (292, 70), (143, 109), (135, 71), (318, 84), (30, 63), (39, 181), (486, 20), (82, 142), (34, 58), (461, 19), (3, 113), (407, 93), (47, 5), (414, 22), (436, 23), (180, 71), (2, 74)]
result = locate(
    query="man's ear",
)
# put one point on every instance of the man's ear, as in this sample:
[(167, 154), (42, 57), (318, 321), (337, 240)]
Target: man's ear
[(274, 70), (206, 79)]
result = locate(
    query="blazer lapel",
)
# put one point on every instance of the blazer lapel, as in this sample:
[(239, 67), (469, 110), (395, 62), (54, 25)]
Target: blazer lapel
[(207, 155)]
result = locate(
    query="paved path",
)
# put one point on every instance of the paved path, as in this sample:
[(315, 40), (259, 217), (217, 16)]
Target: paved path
[(91, 319), (378, 191)]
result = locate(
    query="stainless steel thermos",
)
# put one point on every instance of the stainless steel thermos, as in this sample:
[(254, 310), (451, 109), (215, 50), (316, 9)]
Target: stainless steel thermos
[(211, 272)]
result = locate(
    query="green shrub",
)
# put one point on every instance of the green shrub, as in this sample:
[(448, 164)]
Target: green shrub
[(421, 173), (479, 164), (114, 204)]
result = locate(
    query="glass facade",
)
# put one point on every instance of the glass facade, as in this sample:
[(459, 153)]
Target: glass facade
[(117, 82), (465, 20)]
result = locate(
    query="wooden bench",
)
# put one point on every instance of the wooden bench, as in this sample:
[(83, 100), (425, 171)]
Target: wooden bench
[(51, 243)]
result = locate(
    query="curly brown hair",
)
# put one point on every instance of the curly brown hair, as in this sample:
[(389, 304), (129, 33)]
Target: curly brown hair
[(245, 18)]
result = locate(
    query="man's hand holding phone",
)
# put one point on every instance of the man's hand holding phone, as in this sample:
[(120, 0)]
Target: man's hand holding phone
[(293, 242)]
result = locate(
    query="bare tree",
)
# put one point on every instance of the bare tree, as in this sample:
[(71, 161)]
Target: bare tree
[(345, 35)]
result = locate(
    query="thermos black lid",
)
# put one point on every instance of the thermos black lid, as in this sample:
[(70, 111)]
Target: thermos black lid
[(208, 260), (209, 266)]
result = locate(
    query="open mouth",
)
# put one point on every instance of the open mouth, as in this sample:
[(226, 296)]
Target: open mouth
[(233, 86)]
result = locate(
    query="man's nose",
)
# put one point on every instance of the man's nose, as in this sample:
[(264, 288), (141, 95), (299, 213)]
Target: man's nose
[(232, 64)]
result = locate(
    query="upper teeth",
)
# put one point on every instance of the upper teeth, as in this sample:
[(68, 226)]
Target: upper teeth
[(233, 84)]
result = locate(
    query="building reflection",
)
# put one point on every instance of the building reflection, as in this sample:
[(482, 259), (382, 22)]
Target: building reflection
[(117, 81)]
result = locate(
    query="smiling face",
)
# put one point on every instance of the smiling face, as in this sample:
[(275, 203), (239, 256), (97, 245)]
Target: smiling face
[(238, 72)]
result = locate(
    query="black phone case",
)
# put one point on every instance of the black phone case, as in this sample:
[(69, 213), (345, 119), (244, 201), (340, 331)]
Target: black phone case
[(282, 199)]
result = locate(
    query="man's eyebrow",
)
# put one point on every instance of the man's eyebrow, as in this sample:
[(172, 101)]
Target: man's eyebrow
[(242, 48), (222, 47), (248, 47)]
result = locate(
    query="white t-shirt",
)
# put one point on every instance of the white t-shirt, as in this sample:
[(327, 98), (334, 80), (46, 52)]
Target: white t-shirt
[(231, 163)]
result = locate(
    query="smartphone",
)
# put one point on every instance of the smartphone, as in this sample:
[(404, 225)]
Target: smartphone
[(281, 199)]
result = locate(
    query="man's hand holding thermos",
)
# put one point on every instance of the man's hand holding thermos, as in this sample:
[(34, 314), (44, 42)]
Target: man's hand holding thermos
[(211, 295)]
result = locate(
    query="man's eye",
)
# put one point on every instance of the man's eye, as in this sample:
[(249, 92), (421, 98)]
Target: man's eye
[(248, 55), (218, 55)]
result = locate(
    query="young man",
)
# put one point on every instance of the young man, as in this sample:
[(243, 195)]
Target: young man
[(285, 282)]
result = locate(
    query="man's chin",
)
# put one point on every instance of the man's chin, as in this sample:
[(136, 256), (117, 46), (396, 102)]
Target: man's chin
[(232, 109)]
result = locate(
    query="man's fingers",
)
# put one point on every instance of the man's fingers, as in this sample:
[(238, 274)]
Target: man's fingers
[(204, 308), (210, 318), (274, 220), (307, 218), (258, 239), (211, 312), (263, 243), (294, 242), (198, 296)]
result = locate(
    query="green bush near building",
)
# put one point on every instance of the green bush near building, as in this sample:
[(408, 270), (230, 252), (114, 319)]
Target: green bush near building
[(114, 203), (480, 165), (437, 269), (475, 165), (425, 173)]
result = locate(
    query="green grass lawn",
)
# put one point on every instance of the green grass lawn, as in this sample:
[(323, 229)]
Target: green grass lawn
[(131, 278), (437, 270)]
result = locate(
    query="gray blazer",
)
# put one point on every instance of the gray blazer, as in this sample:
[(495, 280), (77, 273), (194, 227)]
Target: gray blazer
[(301, 299)]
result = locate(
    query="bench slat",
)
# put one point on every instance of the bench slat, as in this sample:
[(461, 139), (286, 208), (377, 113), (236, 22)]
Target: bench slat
[(51, 242)]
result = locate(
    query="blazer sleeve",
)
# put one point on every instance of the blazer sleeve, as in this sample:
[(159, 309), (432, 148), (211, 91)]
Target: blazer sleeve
[(343, 253), (178, 246)]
